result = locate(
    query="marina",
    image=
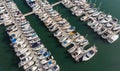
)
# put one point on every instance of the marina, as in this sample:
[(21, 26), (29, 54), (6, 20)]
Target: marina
[(105, 25), (63, 31), (27, 45), (61, 56)]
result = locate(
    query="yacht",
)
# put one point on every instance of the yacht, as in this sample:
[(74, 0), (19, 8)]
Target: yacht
[(54, 68), (41, 51), (29, 64), (89, 53), (45, 55), (37, 46), (67, 3), (25, 61), (81, 41), (107, 34), (44, 61), (32, 68), (84, 18), (58, 33), (31, 3), (49, 64), (66, 42), (116, 29), (77, 52), (102, 30), (76, 11), (112, 38), (72, 49)]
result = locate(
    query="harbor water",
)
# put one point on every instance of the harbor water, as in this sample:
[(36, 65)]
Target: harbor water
[(107, 58)]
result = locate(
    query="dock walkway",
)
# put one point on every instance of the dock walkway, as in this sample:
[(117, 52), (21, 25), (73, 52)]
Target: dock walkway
[(56, 3), (27, 14)]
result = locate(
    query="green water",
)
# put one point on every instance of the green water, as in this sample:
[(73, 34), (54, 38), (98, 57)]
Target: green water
[(107, 59)]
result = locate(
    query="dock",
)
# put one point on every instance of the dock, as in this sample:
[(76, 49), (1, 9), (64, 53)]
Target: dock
[(27, 14), (56, 3)]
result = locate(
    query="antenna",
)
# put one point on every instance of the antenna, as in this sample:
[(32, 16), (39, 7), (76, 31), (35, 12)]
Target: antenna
[(67, 18), (86, 35), (99, 5)]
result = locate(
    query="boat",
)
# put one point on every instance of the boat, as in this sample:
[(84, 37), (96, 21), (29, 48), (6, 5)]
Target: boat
[(55, 68), (49, 64), (63, 31), (24, 40), (89, 53), (97, 20), (44, 61)]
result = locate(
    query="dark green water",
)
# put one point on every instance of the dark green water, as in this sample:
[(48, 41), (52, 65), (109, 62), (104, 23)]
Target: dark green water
[(107, 59)]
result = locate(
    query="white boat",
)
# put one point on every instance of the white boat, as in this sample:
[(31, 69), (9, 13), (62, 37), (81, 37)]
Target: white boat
[(77, 52), (49, 64), (112, 38), (89, 53), (41, 51), (83, 43), (58, 33), (72, 49), (55, 68), (29, 64), (44, 61), (107, 34), (45, 55), (31, 3), (102, 30), (63, 38), (32, 68), (66, 43), (25, 61)]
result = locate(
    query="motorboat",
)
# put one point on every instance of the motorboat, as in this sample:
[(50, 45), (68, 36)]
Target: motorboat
[(32, 68), (102, 30), (63, 38), (112, 38), (107, 34), (31, 3), (29, 64), (45, 55), (25, 61), (37, 46), (49, 64), (89, 53), (67, 3), (72, 49), (116, 28), (55, 68), (41, 51), (58, 33), (44, 61), (77, 52), (66, 42)]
